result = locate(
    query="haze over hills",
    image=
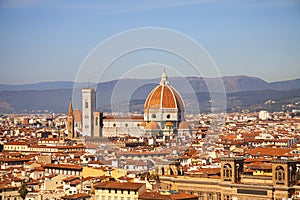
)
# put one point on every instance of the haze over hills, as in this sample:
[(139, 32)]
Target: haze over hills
[(231, 84), (242, 92)]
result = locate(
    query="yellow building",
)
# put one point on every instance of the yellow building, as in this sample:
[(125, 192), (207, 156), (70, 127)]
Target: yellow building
[(9, 193), (51, 183), (103, 171), (119, 191)]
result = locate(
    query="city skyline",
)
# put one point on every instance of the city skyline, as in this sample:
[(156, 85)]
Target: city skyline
[(49, 40)]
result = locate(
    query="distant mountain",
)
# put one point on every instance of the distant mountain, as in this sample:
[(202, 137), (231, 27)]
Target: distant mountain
[(286, 85), (271, 100), (39, 86), (32, 100), (242, 92), (244, 83), (198, 84)]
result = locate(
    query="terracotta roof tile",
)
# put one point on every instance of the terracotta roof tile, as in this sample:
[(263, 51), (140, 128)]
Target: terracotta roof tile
[(116, 185)]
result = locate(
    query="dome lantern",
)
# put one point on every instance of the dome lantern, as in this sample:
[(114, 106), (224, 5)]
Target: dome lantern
[(164, 78)]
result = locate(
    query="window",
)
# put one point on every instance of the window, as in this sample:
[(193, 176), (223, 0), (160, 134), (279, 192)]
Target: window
[(153, 115), (86, 105), (279, 175), (168, 116), (96, 121), (227, 197), (227, 172)]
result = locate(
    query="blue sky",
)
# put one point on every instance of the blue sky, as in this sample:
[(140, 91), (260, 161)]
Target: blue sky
[(48, 40)]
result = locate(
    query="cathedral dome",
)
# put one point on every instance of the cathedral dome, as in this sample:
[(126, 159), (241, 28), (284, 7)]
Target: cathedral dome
[(164, 96)]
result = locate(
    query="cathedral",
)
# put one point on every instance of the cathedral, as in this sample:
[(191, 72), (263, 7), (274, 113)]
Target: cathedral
[(164, 112), (163, 117)]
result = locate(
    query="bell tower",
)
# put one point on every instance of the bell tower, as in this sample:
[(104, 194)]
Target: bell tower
[(70, 122), (232, 169), (88, 109)]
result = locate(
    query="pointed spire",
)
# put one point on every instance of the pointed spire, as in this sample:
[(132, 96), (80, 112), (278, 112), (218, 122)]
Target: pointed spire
[(164, 78), (70, 113)]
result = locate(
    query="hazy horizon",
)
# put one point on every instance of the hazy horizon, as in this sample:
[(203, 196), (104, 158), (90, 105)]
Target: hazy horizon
[(133, 78)]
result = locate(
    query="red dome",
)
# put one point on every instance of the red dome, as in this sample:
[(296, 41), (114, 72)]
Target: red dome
[(152, 126), (163, 96)]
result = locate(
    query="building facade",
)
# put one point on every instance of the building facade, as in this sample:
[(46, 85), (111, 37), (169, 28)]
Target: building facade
[(233, 183)]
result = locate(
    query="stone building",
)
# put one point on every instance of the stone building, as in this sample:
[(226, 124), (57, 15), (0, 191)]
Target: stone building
[(233, 183)]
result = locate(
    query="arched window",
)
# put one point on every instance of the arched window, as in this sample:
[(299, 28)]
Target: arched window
[(279, 175), (227, 170), (96, 121)]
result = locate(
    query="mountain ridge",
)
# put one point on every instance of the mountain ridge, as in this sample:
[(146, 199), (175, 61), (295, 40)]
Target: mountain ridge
[(55, 96), (231, 83)]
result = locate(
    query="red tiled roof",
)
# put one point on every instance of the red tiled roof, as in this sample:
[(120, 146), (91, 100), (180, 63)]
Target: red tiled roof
[(269, 151), (260, 165), (158, 196), (70, 178), (116, 185), (111, 117), (14, 159), (17, 143), (7, 187), (64, 166), (76, 196)]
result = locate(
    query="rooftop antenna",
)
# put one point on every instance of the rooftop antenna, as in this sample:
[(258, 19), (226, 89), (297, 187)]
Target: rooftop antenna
[(89, 86)]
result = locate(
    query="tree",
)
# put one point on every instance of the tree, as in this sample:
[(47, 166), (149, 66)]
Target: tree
[(23, 191)]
